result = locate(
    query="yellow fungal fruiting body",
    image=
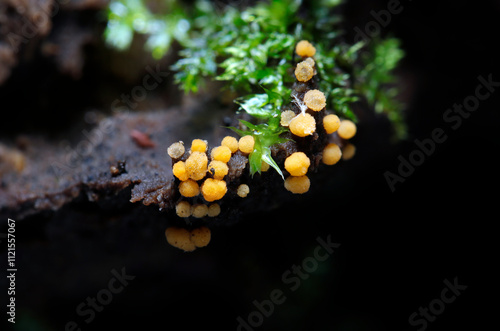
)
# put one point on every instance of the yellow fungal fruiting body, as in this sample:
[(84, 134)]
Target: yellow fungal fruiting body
[(310, 61), (246, 144), (286, 117), (199, 210), (297, 164), (176, 150), (315, 100), (303, 125), (331, 154), (213, 189), (243, 190), (264, 166), (348, 152), (183, 209), (331, 123), (305, 49), (180, 238), (218, 169), (304, 71), (198, 145), (201, 236), (231, 143), (213, 210), (179, 170), (196, 165), (221, 153), (189, 188), (297, 185), (347, 129)]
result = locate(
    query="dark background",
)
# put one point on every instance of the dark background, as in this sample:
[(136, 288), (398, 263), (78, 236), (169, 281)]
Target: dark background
[(396, 248)]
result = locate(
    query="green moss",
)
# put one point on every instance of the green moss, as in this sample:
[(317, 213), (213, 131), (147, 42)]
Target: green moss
[(252, 51)]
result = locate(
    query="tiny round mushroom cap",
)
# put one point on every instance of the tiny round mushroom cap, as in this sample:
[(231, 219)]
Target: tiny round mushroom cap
[(176, 150), (179, 170), (243, 190), (213, 209), (347, 129), (286, 117), (348, 152), (200, 237), (221, 153), (231, 143), (304, 71), (183, 209), (331, 154), (331, 123), (305, 49), (297, 185), (198, 145), (189, 188), (196, 165), (213, 189), (246, 144), (297, 164), (315, 100), (303, 125), (218, 169), (199, 210), (264, 166), (180, 238)]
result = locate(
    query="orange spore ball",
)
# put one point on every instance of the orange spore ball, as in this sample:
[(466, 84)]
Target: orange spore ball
[(305, 49), (264, 166), (213, 210), (347, 129), (180, 238), (348, 152), (303, 125), (304, 72), (176, 150), (183, 209), (196, 165), (315, 100), (243, 190), (213, 189), (218, 169), (331, 154), (297, 164), (179, 170), (198, 145), (331, 123), (246, 144), (231, 143), (189, 188), (286, 117), (200, 237), (297, 185), (199, 210), (221, 153)]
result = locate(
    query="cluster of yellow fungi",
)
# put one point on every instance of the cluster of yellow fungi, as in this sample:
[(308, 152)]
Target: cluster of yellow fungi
[(187, 240), (304, 124), (201, 173)]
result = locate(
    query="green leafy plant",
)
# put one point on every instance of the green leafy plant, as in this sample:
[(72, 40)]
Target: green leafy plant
[(252, 50)]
